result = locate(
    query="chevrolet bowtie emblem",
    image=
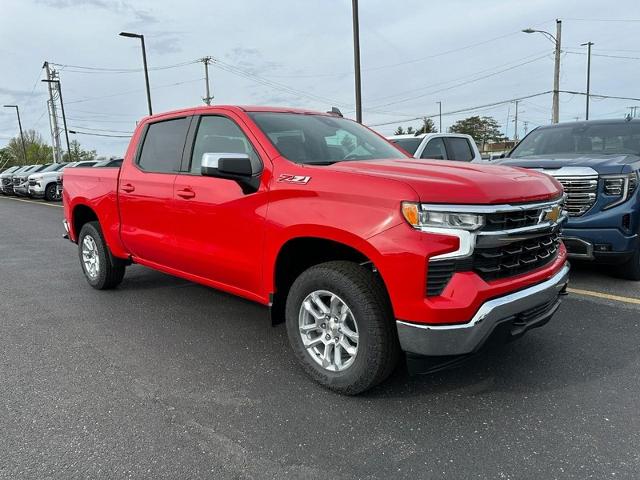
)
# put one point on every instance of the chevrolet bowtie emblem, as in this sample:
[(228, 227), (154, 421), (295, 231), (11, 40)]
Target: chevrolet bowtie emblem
[(550, 215)]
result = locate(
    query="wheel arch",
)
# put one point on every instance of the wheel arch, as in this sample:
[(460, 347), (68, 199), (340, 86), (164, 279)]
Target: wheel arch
[(299, 253)]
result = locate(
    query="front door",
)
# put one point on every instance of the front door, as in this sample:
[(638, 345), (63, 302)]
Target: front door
[(218, 227)]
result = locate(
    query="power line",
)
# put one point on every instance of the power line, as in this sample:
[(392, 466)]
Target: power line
[(98, 134), (459, 84), (102, 70), (453, 112), (87, 99), (603, 55), (101, 130)]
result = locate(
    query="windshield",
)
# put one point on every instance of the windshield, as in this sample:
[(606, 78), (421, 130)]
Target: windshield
[(11, 170), (598, 139), (321, 139), (409, 145)]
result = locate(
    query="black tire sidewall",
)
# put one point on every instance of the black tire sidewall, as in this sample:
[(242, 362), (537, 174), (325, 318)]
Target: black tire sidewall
[(92, 229), (358, 376), (47, 196)]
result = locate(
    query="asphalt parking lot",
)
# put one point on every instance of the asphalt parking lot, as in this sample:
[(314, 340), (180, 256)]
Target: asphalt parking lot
[(163, 378)]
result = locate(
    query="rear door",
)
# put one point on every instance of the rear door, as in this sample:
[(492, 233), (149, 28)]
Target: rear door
[(218, 226), (145, 191)]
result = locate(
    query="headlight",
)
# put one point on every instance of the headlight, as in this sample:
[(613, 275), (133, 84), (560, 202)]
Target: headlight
[(621, 186), (422, 218)]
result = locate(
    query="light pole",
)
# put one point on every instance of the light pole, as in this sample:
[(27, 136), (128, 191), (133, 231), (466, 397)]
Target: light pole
[(24, 148), (440, 115), (356, 59), (588, 44), (556, 71), (64, 117), (144, 61)]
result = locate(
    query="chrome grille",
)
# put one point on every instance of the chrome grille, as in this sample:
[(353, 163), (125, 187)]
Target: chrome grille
[(581, 192)]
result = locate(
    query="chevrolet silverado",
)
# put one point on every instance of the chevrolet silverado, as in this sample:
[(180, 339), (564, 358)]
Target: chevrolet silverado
[(361, 250)]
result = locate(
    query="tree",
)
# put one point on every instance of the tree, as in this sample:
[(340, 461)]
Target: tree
[(482, 129), (399, 131), (427, 126), (37, 150), (410, 131), (78, 154)]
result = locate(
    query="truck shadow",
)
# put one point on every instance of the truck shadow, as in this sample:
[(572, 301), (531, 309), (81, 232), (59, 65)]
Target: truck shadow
[(582, 344)]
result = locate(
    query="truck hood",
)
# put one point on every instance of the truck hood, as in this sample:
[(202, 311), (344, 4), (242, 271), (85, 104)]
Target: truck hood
[(603, 164), (442, 181)]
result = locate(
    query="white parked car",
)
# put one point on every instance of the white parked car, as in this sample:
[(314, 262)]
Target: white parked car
[(43, 183), (439, 146)]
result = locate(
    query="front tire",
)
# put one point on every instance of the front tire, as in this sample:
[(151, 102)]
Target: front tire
[(51, 193), (341, 327), (100, 268), (631, 269)]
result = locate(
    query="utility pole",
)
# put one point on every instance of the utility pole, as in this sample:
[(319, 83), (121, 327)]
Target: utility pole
[(588, 44), (515, 135), (207, 60), (556, 74), (55, 132), (24, 148), (440, 115), (64, 117), (557, 41), (526, 127), (144, 63), (356, 59)]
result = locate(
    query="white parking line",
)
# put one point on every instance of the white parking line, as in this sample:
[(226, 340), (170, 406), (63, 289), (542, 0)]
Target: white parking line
[(32, 201)]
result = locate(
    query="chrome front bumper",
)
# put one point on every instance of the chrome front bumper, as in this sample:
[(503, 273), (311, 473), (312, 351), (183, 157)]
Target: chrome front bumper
[(523, 309)]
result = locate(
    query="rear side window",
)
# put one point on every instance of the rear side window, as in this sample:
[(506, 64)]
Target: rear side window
[(459, 149), (221, 135), (163, 145), (434, 149)]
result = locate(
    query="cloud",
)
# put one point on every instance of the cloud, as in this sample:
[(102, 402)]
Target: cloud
[(140, 16)]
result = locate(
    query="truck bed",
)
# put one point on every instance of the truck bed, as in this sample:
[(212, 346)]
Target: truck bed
[(97, 189)]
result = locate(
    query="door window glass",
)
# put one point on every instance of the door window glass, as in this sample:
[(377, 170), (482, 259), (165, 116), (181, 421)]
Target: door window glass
[(434, 149), (459, 149), (163, 145), (221, 135)]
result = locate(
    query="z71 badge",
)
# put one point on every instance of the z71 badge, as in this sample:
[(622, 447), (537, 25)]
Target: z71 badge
[(299, 179)]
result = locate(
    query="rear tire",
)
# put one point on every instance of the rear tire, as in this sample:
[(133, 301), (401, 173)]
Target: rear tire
[(343, 307), (631, 269), (101, 269)]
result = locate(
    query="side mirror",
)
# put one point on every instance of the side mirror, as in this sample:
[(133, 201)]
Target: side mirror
[(232, 166), (503, 155)]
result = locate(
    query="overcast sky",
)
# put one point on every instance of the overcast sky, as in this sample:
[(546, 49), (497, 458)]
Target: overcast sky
[(464, 53)]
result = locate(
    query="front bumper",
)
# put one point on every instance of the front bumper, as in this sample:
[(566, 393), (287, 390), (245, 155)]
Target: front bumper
[(36, 191), (604, 245), (21, 190), (520, 311)]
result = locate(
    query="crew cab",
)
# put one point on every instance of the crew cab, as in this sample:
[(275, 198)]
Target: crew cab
[(439, 146), (598, 163), (361, 250)]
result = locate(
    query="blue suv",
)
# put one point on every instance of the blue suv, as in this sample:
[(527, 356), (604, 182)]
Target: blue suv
[(598, 163)]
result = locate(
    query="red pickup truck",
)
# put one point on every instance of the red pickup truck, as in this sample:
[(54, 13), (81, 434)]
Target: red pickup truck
[(361, 250)]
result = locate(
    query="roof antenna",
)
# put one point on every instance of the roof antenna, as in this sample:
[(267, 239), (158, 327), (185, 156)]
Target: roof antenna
[(335, 111)]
